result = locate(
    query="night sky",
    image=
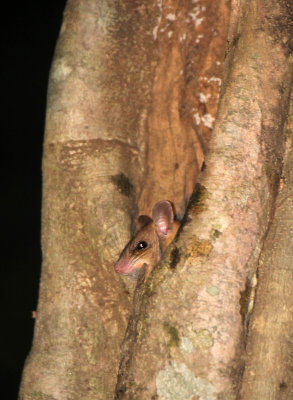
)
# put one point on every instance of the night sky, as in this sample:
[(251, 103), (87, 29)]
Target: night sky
[(30, 31)]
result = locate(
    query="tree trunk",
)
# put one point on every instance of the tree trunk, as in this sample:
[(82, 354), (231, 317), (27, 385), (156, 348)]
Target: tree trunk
[(132, 101), (268, 370), (185, 338), (91, 169), (120, 123)]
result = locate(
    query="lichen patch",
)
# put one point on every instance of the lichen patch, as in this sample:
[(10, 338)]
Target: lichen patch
[(177, 382)]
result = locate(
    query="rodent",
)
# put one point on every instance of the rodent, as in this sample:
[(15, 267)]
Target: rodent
[(153, 236)]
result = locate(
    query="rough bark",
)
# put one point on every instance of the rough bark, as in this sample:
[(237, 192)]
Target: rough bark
[(185, 336), (268, 370), (190, 44), (131, 101), (92, 163)]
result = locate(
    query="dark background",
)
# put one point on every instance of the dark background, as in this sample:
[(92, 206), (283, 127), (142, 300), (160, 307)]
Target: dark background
[(30, 31)]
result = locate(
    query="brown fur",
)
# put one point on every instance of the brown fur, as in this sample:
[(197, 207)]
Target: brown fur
[(144, 250)]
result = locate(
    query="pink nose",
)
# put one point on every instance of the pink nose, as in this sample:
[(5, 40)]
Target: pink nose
[(121, 268), (117, 268)]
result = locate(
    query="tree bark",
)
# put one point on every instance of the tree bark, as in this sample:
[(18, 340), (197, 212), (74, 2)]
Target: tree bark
[(131, 105), (120, 123), (185, 97), (268, 370), (91, 167), (185, 338)]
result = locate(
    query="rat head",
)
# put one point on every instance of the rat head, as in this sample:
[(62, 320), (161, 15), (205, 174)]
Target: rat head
[(144, 249)]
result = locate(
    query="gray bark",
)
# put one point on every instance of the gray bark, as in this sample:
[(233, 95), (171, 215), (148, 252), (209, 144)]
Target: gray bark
[(185, 338), (268, 370)]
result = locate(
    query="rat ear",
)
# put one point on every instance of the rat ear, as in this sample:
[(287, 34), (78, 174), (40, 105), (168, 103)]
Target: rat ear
[(142, 221), (163, 217)]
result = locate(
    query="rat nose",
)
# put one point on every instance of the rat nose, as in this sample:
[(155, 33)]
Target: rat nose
[(121, 267), (117, 268)]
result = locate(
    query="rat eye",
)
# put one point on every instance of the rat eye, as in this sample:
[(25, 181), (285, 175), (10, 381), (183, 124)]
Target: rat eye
[(141, 245)]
